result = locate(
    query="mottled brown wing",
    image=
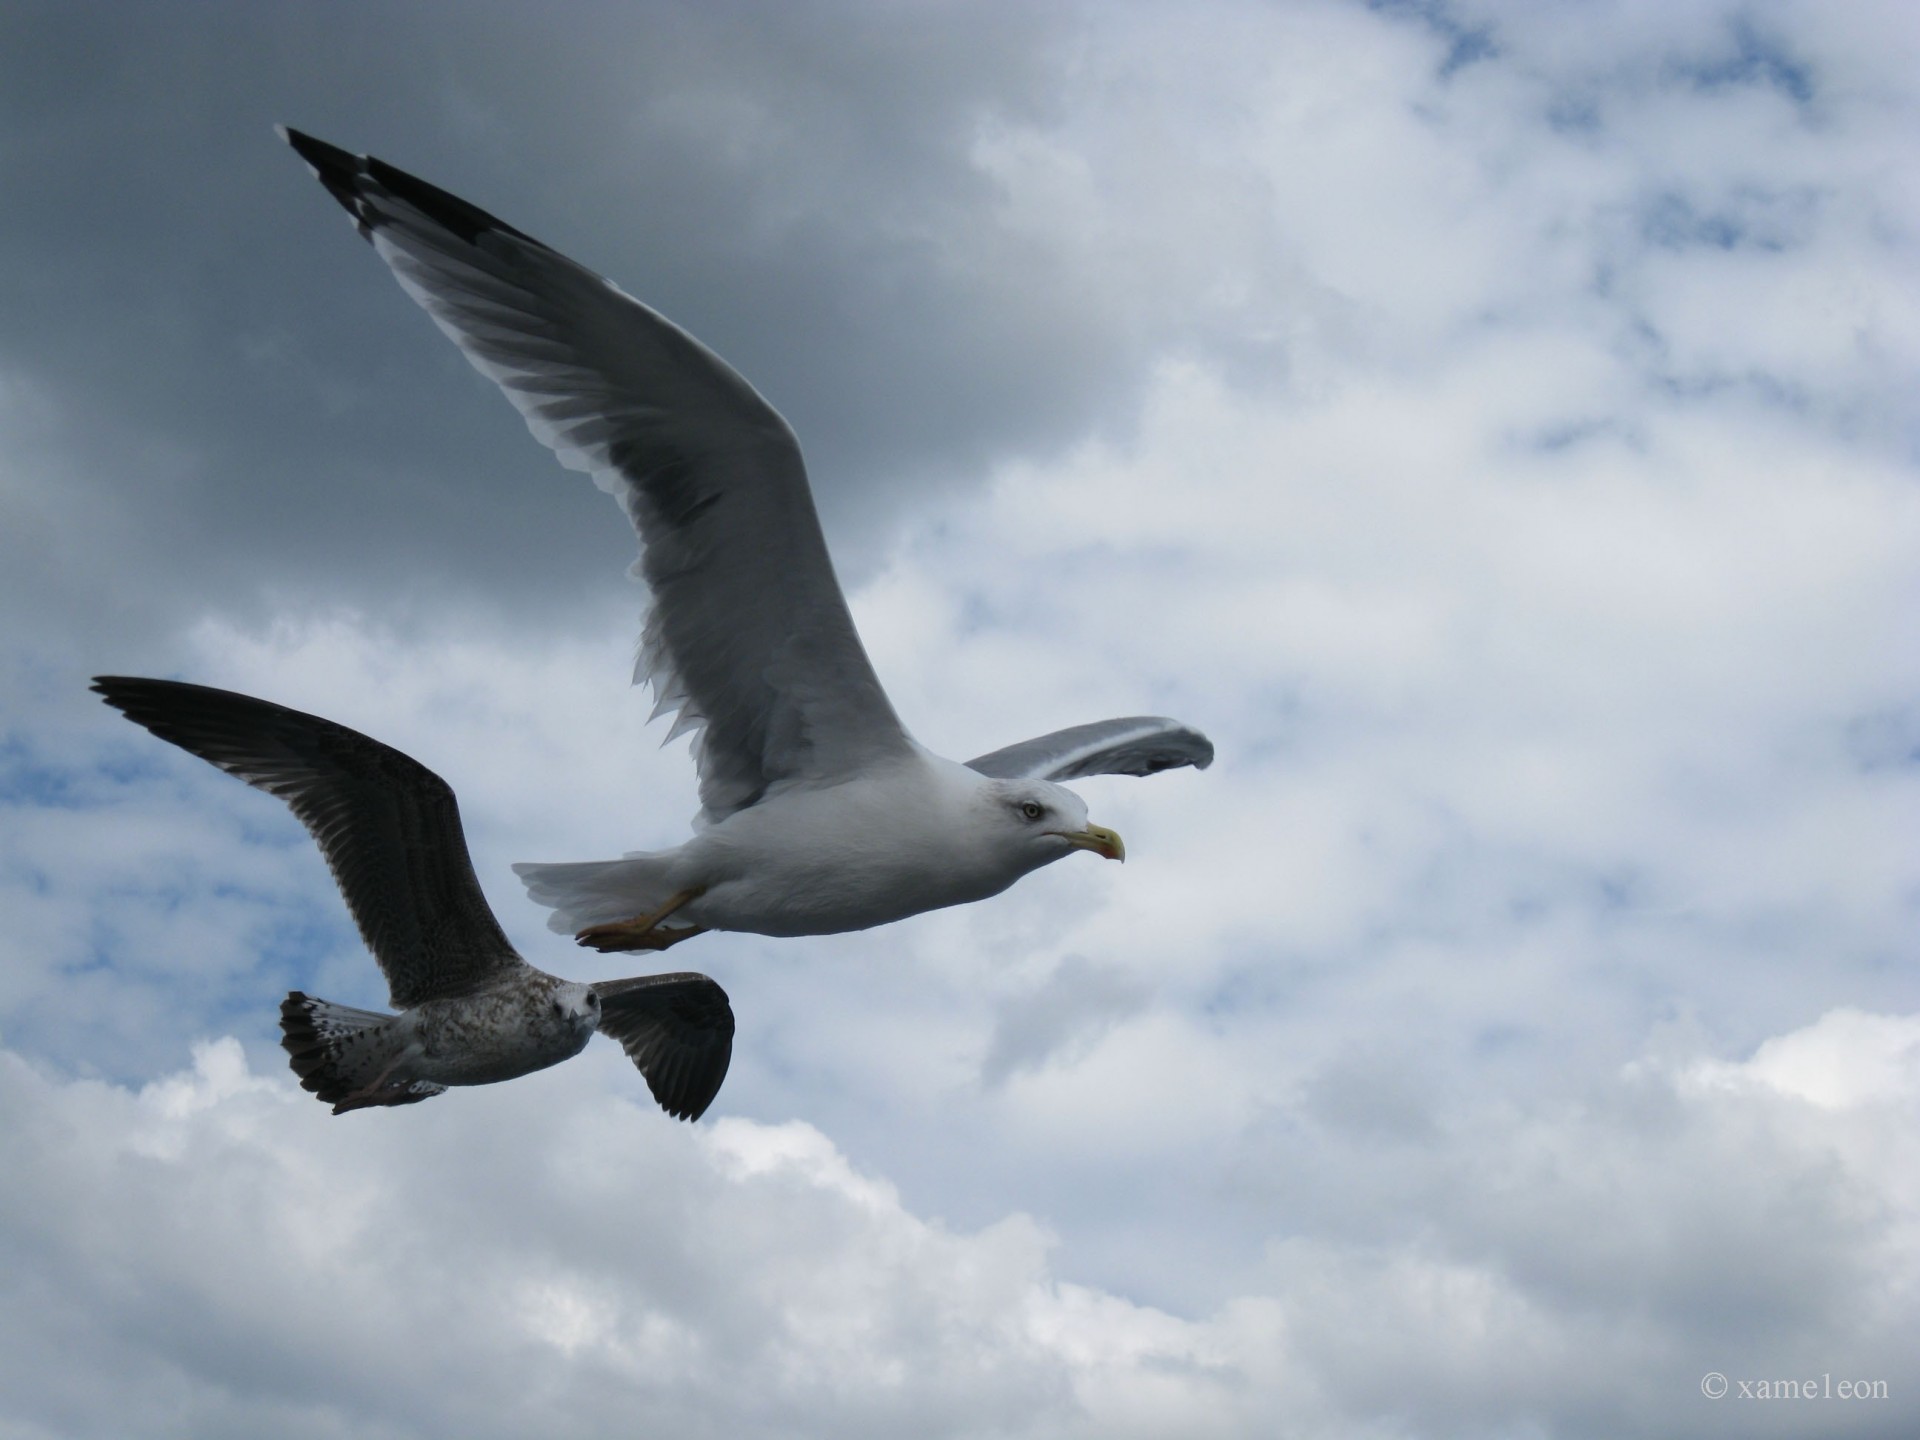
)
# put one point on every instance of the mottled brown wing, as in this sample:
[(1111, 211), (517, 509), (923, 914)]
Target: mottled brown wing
[(678, 1029), (388, 826)]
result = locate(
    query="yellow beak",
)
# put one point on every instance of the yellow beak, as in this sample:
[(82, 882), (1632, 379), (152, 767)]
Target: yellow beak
[(1098, 839)]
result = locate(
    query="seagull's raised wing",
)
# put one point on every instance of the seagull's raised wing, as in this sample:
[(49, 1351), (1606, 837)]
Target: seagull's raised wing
[(748, 636), (678, 1029), (388, 826), (1133, 745)]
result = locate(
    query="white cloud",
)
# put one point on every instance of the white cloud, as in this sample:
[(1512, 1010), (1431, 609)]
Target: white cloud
[(550, 1255), (1846, 1061)]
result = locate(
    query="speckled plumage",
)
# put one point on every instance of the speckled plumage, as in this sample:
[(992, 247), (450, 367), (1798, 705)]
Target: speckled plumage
[(472, 1011)]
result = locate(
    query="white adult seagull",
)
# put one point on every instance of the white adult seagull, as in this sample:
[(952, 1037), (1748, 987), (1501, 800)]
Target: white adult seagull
[(819, 812)]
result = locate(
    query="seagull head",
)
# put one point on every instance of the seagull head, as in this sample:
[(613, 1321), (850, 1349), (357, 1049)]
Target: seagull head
[(1051, 821), (577, 1003)]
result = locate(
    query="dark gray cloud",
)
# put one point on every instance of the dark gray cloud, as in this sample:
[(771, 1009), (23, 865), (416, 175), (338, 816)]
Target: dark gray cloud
[(241, 401)]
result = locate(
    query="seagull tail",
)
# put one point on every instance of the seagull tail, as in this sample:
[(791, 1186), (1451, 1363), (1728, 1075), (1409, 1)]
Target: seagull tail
[(598, 892), (347, 1057)]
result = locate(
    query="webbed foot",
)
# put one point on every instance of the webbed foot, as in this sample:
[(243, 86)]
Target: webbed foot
[(643, 932)]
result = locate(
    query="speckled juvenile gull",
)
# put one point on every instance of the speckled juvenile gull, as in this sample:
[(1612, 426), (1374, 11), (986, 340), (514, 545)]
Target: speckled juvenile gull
[(819, 813), (472, 1011)]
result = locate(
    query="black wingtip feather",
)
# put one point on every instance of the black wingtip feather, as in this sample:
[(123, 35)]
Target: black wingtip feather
[(338, 170), (317, 153), (354, 179), (464, 219), (200, 719), (143, 701)]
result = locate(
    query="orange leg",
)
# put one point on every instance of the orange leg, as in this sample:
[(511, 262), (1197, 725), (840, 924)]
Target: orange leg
[(643, 932)]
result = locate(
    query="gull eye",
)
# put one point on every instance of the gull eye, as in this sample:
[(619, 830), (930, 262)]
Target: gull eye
[(1032, 809)]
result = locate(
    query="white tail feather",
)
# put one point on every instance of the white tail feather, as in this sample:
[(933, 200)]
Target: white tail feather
[(597, 892)]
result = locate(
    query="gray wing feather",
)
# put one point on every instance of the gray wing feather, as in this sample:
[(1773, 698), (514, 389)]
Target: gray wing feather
[(388, 826), (748, 636), (1133, 745), (678, 1029)]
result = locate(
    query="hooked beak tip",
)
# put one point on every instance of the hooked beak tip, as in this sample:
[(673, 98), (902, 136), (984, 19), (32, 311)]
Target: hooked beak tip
[(1102, 841)]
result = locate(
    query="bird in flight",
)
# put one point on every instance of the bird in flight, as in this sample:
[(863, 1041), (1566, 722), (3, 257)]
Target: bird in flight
[(472, 1012), (819, 812)]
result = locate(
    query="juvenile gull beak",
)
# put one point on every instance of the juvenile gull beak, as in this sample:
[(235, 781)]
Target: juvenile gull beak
[(1097, 838)]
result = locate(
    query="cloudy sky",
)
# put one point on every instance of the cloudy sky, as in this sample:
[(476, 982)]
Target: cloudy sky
[(1495, 424)]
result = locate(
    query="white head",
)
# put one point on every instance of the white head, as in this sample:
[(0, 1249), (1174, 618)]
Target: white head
[(1044, 822), (575, 1002)]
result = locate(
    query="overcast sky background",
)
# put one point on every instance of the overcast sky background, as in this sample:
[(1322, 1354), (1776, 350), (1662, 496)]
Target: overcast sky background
[(1495, 424)]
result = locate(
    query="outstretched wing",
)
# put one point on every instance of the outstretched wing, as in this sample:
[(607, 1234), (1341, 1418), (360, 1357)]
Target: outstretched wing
[(748, 636), (388, 826), (1135, 745), (678, 1029)]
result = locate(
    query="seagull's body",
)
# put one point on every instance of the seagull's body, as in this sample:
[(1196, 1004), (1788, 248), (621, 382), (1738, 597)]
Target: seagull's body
[(472, 1012), (820, 813), (818, 861), (512, 1025)]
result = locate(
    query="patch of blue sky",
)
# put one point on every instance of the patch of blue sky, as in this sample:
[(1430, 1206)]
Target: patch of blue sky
[(276, 923), (1756, 59), (1621, 890), (1567, 435), (297, 944), (1262, 979), (1466, 44), (1287, 719), (1574, 113), (29, 780), (1503, 1038), (1885, 740), (273, 943), (1750, 219), (979, 615), (274, 832)]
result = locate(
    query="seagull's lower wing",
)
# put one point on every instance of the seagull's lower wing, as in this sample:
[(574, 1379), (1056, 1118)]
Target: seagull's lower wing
[(1134, 745), (388, 826), (678, 1029), (749, 637)]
